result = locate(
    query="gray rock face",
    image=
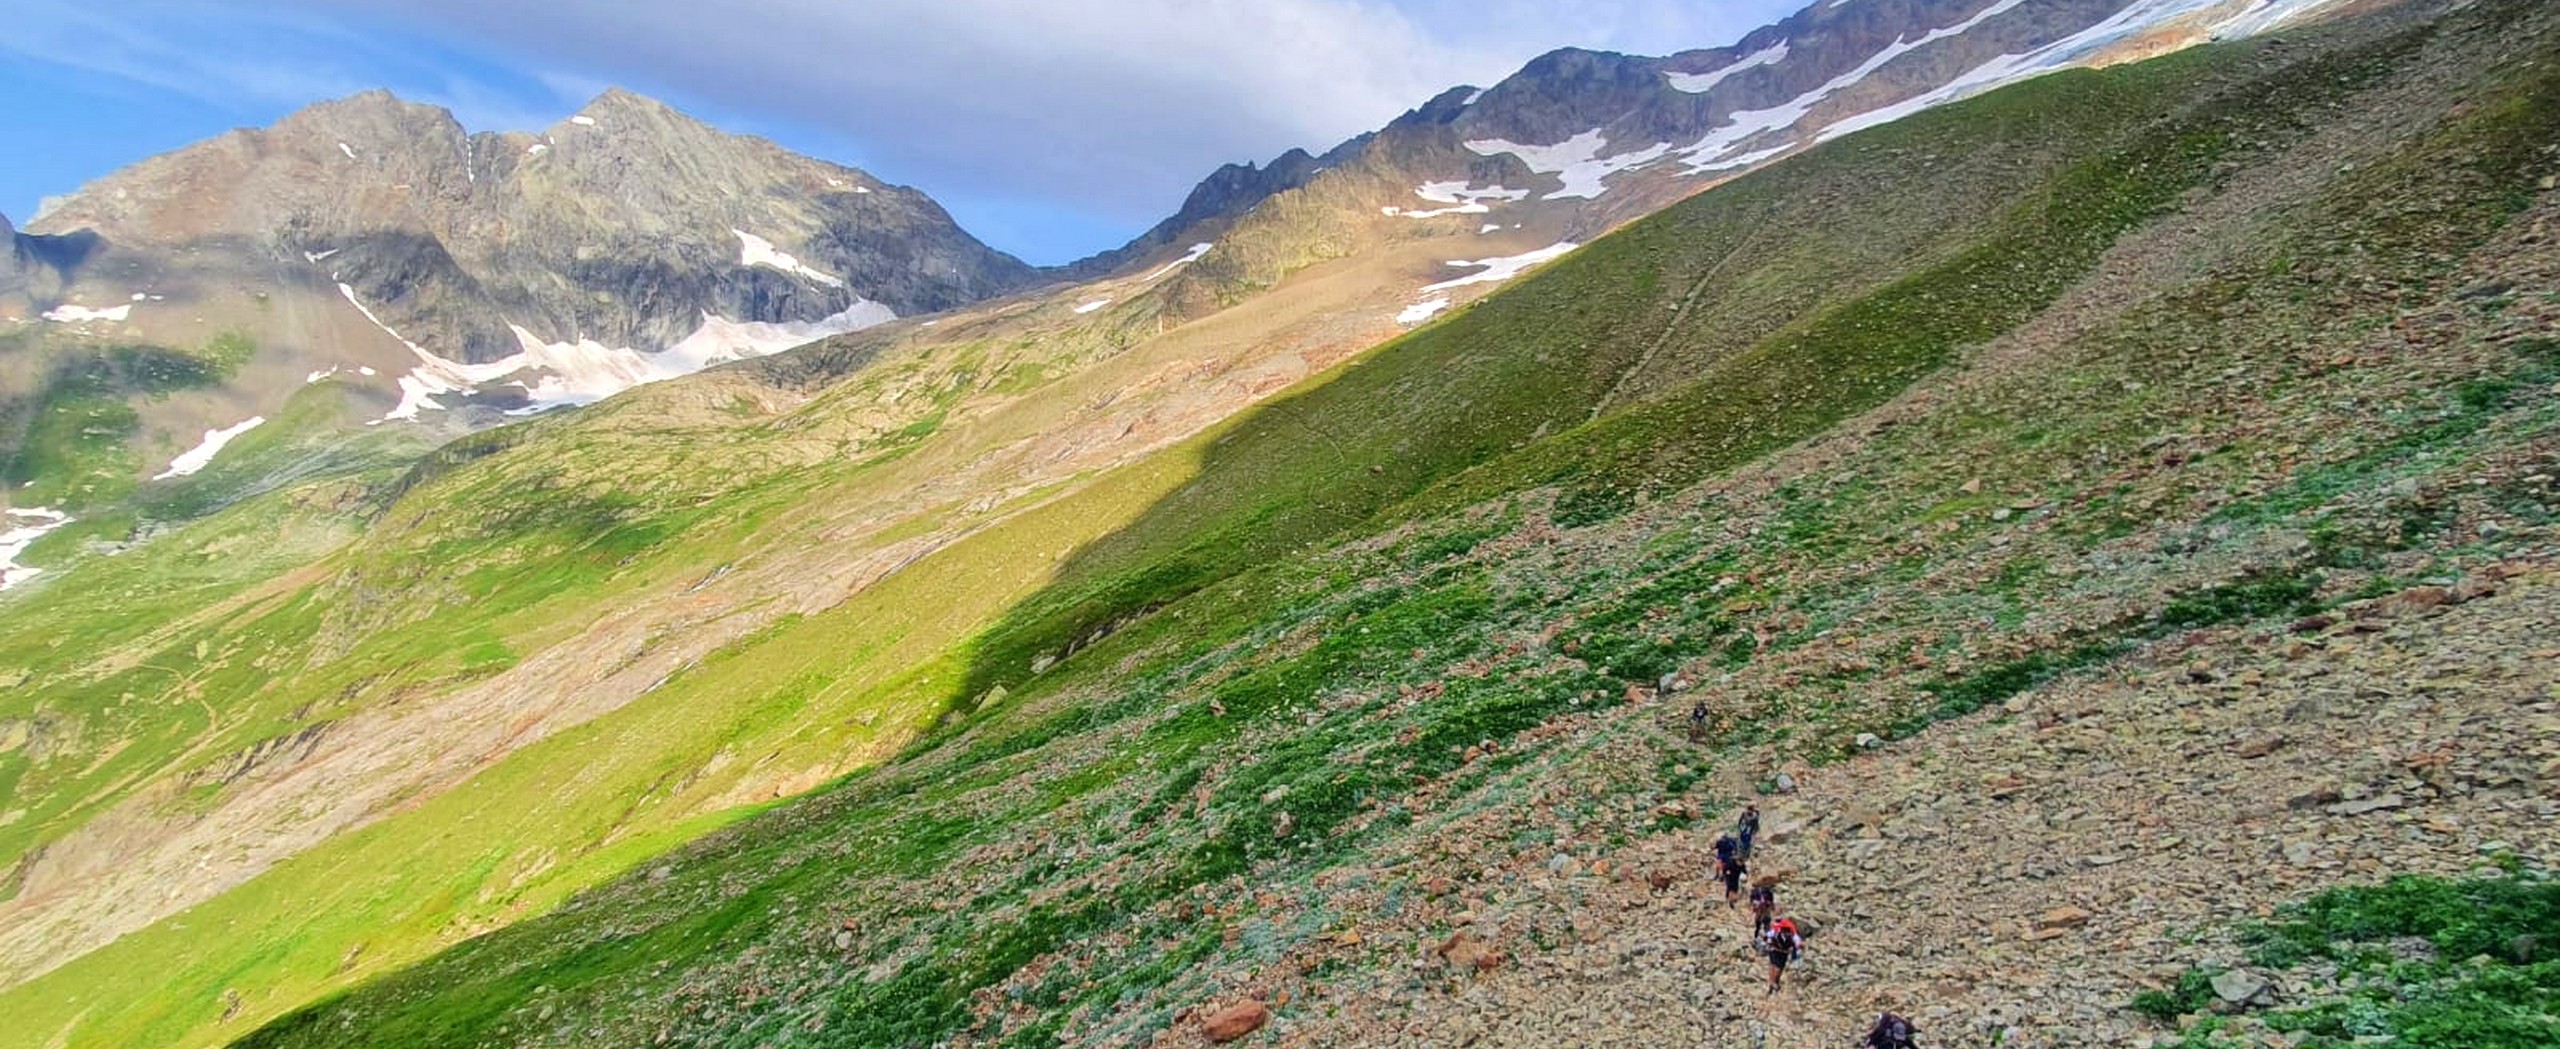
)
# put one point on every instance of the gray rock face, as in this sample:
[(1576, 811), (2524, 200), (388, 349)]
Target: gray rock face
[(1228, 192), (624, 224)]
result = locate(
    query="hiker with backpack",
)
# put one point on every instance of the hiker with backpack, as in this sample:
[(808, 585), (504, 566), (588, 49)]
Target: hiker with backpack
[(1764, 909), (1698, 722), (1747, 828), (1729, 866), (1783, 945), (1890, 1032)]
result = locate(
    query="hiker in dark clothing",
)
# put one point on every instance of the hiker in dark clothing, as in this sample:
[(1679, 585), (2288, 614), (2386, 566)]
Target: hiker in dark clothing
[(1764, 909), (1698, 722), (1729, 865), (1748, 827), (1890, 1032), (1783, 945)]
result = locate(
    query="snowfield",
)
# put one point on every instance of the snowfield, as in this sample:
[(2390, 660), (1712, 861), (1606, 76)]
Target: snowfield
[(201, 456), (1462, 199), (585, 371), (1503, 268), (1422, 311), (70, 314), (1701, 83), (20, 527), (1193, 255), (1576, 160), (757, 251)]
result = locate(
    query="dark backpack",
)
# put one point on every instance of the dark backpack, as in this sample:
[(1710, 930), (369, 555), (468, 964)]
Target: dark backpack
[(1892, 1032), (1725, 849)]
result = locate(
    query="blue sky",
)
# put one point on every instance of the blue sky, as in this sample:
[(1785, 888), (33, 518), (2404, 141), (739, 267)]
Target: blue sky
[(1050, 128)]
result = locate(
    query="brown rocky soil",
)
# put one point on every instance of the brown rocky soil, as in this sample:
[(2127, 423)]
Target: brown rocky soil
[(2017, 877)]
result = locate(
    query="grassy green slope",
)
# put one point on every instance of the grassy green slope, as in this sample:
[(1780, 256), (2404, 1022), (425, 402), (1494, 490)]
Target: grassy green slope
[(1271, 708), (486, 559)]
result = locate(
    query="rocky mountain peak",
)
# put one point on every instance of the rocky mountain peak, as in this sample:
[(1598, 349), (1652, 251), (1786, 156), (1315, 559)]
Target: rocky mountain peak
[(567, 260), (629, 110), (375, 119)]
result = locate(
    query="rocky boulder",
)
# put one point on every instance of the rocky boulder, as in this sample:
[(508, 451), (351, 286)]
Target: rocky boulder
[(1235, 1021)]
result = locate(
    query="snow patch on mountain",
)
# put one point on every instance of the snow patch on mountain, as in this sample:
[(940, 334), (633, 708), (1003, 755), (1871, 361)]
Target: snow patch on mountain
[(1701, 83), (719, 340), (1461, 199), (2007, 69), (1193, 255), (583, 120), (584, 371), (80, 315), (434, 376), (20, 527), (757, 251), (201, 456), (70, 314), (1460, 192), (1576, 160), (1092, 306), (1422, 311), (1715, 151), (350, 151), (1502, 268)]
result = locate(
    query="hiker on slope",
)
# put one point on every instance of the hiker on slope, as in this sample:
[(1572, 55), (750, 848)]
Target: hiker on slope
[(1698, 722), (1783, 946), (1729, 866), (1747, 828), (1764, 909), (1890, 1032)]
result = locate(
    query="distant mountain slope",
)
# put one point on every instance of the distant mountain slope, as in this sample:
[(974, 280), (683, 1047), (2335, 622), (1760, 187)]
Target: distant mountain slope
[(1579, 141), (374, 243)]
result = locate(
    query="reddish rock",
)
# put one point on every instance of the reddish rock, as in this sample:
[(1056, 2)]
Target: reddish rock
[(1235, 1021), (1464, 951), (2065, 917), (2416, 599)]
